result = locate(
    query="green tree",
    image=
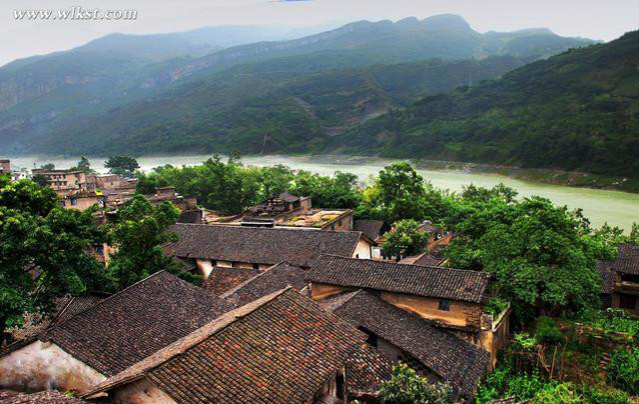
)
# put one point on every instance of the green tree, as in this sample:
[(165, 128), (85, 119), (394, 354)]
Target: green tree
[(539, 254), (623, 371), (40, 180), (48, 166), (401, 192), (407, 387), (405, 239), (138, 235), (122, 165), (44, 251), (83, 165)]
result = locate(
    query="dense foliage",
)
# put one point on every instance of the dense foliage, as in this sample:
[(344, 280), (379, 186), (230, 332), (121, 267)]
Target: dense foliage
[(407, 387), (623, 370), (138, 235), (574, 111), (405, 239), (229, 187), (45, 251), (122, 165)]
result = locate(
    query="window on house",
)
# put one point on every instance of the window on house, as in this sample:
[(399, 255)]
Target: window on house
[(74, 202), (256, 266), (627, 302), (235, 264), (214, 263), (444, 305)]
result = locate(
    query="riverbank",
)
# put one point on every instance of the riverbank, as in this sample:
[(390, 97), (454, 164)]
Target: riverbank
[(539, 175), (600, 205)]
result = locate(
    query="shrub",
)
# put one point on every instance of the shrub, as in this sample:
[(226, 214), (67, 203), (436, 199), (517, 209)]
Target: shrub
[(496, 306), (407, 387), (557, 393), (524, 342), (547, 330), (623, 371), (595, 395)]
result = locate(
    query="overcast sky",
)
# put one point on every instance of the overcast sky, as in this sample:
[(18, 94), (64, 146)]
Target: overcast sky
[(595, 19)]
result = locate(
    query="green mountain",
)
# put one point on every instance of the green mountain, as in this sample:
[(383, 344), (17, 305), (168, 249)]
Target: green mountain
[(574, 111), (188, 90), (254, 109)]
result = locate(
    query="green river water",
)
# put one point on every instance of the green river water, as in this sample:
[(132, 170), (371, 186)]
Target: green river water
[(600, 206)]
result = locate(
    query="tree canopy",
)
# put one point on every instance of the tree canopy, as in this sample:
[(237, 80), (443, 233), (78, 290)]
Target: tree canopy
[(45, 251), (122, 165)]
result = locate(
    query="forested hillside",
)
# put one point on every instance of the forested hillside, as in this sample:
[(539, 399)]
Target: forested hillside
[(253, 109), (148, 82), (575, 111)]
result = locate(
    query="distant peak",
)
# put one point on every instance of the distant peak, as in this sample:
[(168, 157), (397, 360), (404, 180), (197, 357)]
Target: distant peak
[(545, 31), (408, 21), (446, 22)]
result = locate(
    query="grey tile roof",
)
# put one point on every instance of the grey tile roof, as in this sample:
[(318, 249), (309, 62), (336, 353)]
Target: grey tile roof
[(444, 283), (458, 362), (136, 322), (273, 279), (221, 280), (43, 397), (372, 229), (260, 245), (607, 277), (627, 261), (279, 349), (423, 259)]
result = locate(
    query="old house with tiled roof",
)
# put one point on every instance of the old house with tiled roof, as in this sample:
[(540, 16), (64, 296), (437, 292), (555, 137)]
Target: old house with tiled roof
[(273, 279), (108, 337), (406, 337), (452, 299), (281, 348), (256, 248), (620, 279)]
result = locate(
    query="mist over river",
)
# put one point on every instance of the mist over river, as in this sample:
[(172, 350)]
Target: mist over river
[(600, 206)]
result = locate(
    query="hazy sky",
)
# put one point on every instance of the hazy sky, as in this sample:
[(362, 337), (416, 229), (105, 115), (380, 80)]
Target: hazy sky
[(587, 18)]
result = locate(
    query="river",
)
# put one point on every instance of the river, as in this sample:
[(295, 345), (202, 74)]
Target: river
[(616, 208)]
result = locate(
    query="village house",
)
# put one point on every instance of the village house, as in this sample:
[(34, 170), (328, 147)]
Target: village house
[(259, 248), (109, 336), (620, 279), (273, 279), (5, 167), (405, 337), (281, 348), (452, 299), (65, 182), (374, 230), (82, 200), (43, 397), (286, 210)]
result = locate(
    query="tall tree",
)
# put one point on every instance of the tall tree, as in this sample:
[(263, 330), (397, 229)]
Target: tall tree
[(122, 165), (44, 251), (83, 165), (138, 235), (405, 239)]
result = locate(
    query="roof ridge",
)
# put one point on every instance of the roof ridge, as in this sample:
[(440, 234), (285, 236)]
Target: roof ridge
[(279, 228), (481, 273)]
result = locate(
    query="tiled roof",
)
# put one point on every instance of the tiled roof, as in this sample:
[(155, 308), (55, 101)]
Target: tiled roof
[(290, 198), (273, 279), (366, 370), (221, 280), (279, 349), (260, 245), (458, 362), (423, 259), (43, 397), (78, 304), (136, 322), (372, 229), (627, 261), (607, 277), (444, 283)]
